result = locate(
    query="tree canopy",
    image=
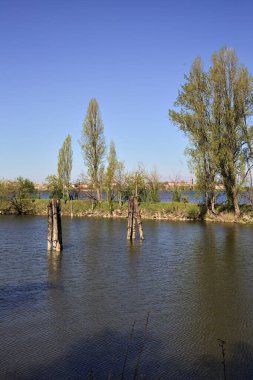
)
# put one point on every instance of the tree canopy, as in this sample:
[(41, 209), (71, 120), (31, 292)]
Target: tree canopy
[(93, 145), (65, 158), (214, 109)]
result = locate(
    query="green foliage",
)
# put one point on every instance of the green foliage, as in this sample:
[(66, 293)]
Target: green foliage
[(176, 194), (120, 180), (64, 169), (193, 212), (152, 180), (18, 195), (110, 175), (142, 184), (194, 119), (214, 111), (93, 145), (54, 186)]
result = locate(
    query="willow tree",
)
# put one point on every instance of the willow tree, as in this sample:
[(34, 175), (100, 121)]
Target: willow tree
[(93, 145), (194, 118), (232, 109), (65, 166), (215, 110)]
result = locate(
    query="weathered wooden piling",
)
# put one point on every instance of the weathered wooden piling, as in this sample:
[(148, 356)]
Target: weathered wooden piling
[(134, 217), (54, 226), (130, 218), (49, 225), (138, 218), (58, 210)]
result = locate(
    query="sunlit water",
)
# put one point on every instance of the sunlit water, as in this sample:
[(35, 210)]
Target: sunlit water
[(71, 315)]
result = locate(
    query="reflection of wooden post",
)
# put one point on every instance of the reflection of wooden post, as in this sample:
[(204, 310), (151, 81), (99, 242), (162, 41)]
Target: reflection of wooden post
[(133, 226), (134, 218), (49, 226), (71, 208), (54, 226)]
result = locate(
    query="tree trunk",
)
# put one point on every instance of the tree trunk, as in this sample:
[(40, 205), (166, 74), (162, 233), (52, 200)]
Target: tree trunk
[(207, 200), (120, 198), (210, 202), (229, 194), (213, 204), (99, 193), (236, 202)]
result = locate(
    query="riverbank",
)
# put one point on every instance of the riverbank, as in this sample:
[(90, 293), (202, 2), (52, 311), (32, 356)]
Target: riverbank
[(177, 211)]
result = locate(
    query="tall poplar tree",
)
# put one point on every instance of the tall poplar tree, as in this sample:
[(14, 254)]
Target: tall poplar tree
[(110, 175), (65, 166), (93, 145)]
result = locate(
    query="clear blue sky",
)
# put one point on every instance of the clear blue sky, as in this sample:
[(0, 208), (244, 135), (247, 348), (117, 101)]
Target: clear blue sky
[(131, 55)]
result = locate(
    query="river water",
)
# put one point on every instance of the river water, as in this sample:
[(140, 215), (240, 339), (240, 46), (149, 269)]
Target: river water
[(190, 196), (159, 306)]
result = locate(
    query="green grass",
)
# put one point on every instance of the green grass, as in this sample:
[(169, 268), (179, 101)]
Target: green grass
[(149, 210), (159, 210)]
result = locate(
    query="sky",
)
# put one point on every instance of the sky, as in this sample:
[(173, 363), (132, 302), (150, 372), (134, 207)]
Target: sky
[(130, 55)]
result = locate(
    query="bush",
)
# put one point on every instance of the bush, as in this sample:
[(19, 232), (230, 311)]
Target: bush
[(19, 195), (193, 212)]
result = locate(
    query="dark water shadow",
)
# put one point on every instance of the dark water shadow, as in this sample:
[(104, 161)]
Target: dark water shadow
[(14, 296), (102, 357)]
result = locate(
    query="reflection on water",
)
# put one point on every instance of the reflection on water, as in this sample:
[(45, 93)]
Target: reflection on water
[(69, 315)]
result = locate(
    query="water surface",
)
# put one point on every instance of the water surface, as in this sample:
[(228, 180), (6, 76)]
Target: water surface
[(70, 315)]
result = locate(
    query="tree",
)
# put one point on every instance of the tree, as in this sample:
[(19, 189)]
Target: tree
[(19, 195), (110, 175), (93, 145), (195, 120), (215, 107), (54, 186), (135, 184), (65, 166), (232, 108), (120, 178), (153, 182), (141, 184)]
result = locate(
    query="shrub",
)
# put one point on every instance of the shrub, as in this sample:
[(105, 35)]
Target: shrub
[(192, 212)]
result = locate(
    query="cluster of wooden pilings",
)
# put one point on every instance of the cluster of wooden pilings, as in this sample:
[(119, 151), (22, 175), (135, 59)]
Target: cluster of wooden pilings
[(54, 236), (134, 218)]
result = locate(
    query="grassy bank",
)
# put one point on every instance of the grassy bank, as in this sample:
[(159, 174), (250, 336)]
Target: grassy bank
[(159, 211), (173, 210)]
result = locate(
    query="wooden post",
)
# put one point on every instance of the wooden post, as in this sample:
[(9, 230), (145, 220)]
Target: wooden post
[(130, 218), (49, 225), (134, 217), (56, 230), (58, 209), (137, 215)]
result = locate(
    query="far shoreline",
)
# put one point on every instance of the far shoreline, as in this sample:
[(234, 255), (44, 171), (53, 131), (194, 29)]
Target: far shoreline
[(160, 211)]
